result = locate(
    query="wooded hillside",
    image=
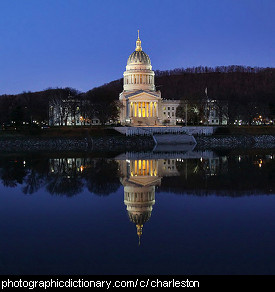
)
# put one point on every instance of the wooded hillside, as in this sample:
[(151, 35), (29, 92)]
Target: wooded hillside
[(249, 92)]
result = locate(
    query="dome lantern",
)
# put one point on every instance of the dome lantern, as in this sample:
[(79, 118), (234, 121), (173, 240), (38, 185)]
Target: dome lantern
[(138, 44)]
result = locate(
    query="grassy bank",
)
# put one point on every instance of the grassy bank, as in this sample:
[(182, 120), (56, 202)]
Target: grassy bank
[(66, 132)]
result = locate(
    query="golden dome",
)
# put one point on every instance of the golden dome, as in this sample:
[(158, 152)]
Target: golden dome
[(138, 56)]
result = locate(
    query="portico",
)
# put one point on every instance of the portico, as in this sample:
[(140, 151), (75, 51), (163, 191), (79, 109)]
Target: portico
[(144, 109)]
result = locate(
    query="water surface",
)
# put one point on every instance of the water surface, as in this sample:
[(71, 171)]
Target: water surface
[(138, 213)]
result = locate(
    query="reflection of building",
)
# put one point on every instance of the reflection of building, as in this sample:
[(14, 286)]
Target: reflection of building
[(141, 174), (68, 165), (140, 178), (215, 166)]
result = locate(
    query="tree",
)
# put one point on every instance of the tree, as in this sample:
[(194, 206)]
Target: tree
[(62, 104), (191, 111), (103, 171), (103, 105), (17, 116)]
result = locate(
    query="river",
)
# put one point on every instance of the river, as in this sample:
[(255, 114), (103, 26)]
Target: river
[(167, 212)]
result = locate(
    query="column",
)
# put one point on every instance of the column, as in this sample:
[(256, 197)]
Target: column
[(131, 110), (145, 109), (127, 109)]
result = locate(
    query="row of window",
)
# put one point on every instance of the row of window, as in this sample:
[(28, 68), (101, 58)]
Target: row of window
[(172, 161), (138, 197), (214, 121), (168, 114), (139, 79), (168, 108)]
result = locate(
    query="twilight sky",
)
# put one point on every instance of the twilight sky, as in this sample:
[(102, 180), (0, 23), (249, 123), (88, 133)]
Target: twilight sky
[(86, 43)]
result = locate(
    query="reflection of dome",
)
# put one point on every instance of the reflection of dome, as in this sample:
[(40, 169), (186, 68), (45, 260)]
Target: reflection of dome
[(139, 57), (139, 202), (139, 218)]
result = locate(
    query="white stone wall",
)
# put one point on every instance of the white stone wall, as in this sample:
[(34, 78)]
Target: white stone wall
[(168, 111)]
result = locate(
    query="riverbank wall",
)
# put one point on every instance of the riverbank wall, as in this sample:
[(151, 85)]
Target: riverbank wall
[(126, 143)]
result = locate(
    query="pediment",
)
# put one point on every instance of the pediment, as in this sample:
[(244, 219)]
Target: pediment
[(145, 180), (144, 96)]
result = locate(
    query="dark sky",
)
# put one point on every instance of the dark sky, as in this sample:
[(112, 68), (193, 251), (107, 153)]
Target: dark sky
[(86, 43)]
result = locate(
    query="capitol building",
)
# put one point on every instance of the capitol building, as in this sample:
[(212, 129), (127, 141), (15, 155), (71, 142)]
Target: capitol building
[(142, 103)]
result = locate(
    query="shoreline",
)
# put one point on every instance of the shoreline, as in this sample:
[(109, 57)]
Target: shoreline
[(235, 141), (122, 143)]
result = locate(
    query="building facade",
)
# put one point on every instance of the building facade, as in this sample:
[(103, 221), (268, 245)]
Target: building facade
[(71, 111), (216, 112)]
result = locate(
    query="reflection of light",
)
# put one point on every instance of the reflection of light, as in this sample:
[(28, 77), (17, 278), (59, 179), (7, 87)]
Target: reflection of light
[(260, 165), (81, 168)]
